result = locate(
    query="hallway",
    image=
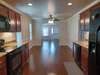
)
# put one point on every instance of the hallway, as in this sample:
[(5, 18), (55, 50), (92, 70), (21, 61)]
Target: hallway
[(49, 59)]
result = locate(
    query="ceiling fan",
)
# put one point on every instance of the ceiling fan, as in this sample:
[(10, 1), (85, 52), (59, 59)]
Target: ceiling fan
[(52, 18)]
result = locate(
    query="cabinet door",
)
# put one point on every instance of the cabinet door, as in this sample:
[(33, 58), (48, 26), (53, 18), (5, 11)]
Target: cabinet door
[(82, 22), (3, 69), (25, 53), (12, 21), (86, 20), (84, 60), (77, 53), (93, 8), (3, 10), (18, 22)]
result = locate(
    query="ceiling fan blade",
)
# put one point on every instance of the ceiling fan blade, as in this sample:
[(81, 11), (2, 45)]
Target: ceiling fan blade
[(56, 19)]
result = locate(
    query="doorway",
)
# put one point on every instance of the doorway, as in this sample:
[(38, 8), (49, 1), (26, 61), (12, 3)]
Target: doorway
[(50, 32)]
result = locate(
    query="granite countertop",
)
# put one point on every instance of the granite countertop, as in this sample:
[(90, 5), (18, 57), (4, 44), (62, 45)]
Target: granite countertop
[(2, 54), (82, 43), (9, 47)]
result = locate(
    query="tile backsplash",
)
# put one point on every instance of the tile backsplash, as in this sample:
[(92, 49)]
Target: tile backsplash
[(8, 36), (86, 36)]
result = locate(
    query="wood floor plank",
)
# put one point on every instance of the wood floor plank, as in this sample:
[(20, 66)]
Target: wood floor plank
[(49, 59)]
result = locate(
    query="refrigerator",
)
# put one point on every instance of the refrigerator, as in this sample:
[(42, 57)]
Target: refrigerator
[(94, 43)]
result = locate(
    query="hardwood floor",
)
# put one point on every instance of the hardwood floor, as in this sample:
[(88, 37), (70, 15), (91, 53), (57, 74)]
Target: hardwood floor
[(48, 59)]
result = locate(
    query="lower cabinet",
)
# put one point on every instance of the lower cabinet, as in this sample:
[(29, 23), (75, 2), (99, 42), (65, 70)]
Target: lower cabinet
[(77, 53), (80, 54), (3, 67), (25, 53), (84, 60), (15, 62), (25, 57)]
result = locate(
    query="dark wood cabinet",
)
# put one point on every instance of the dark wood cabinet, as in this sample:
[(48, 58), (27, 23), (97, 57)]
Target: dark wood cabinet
[(3, 10), (3, 67), (84, 60), (12, 21), (93, 8), (18, 22), (84, 24), (80, 54), (77, 53), (84, 20), (25, 54), (15, 21)]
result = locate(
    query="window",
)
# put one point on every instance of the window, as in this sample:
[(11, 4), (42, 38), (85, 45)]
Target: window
[(45, 31), (30, 30)]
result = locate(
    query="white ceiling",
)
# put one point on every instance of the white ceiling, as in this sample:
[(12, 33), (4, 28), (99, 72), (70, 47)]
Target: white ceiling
[(42, 8)]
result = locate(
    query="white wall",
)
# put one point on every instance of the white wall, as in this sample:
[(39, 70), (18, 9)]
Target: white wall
[(63, 32), (25, 21), (72, 29), (37, 32)]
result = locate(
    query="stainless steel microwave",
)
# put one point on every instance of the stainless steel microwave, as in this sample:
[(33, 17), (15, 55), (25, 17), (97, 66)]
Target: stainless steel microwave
[(4, 24)]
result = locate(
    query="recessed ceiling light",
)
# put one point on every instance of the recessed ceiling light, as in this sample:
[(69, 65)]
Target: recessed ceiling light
[(69, 4), (29, 4)]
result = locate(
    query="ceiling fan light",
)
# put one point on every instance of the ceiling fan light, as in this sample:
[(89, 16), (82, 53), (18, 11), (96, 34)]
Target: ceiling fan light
[(69, 4), (50, 21), (29, 4)]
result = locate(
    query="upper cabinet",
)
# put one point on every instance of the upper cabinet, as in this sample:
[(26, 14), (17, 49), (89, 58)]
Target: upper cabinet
[(85, 22), (3, 11), (84, 25), (18, 22), (14, 20), (95, 7)]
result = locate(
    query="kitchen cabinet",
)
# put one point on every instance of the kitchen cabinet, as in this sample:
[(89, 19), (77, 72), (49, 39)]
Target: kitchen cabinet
[(3, 67), (84, 20), (25, 53), (93, 8), (80, 53), (18, 22), (15, 21), (26, 69), (77, 53), (84, 60), (84, 24), (14, 62), (12, 21), (4, 11)]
